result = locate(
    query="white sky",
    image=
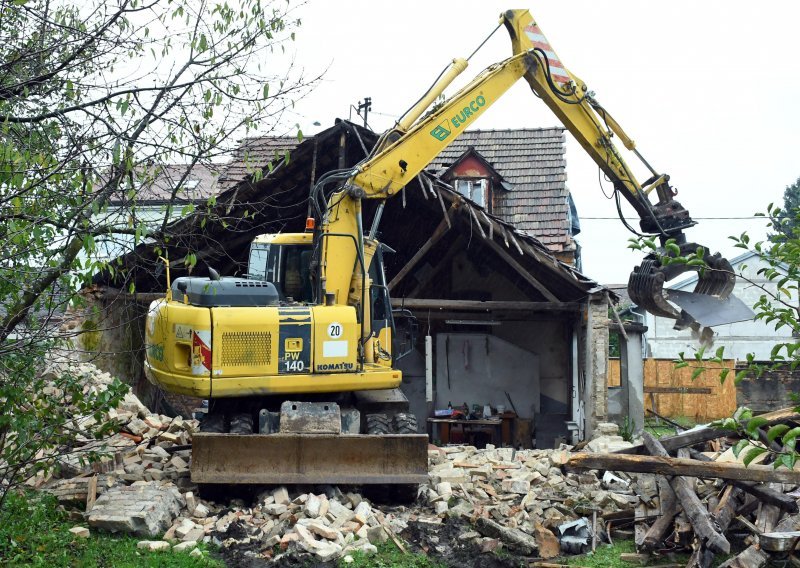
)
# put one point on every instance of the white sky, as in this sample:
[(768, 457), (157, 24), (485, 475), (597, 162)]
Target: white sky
[(708, 90)]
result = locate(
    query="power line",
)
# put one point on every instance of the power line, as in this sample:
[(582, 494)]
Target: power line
[(754, 217)]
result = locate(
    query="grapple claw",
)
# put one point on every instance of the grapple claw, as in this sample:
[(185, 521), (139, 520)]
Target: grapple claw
[(710, 303)]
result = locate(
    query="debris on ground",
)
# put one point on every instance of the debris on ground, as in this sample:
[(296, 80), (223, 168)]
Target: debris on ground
[(480, 507)]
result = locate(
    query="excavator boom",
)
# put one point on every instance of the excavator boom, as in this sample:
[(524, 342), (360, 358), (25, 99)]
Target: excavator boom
[(594, 128)]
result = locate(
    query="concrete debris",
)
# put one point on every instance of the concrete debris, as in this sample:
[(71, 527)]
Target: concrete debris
[(144, 508), (525, 502), (153, 545), (81, 532)]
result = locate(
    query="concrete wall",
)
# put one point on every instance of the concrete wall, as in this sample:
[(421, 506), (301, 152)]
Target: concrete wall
[(771, 391), (738, 339), (480, 369)]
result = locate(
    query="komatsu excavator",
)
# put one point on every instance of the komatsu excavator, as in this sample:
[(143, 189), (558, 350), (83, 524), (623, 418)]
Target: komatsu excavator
[(296, 360)]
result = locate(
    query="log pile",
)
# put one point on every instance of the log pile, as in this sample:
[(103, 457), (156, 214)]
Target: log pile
[(708, 501)]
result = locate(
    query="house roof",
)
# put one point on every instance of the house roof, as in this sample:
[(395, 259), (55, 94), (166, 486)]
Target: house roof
[(277, 201), (156, 183), (532, 160), (252, 154)]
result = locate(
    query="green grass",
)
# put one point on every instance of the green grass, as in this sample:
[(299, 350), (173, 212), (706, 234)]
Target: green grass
[(33, 532), (607, 556), (664, 429), (389, 556)]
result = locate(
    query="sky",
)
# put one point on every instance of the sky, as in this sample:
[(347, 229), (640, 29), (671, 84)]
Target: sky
[(708, 90)]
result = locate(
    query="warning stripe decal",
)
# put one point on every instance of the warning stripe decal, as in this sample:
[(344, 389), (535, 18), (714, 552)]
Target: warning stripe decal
[(537, 38)]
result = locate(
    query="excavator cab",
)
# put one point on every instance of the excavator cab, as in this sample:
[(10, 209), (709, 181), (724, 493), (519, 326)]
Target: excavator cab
[(284, 260)]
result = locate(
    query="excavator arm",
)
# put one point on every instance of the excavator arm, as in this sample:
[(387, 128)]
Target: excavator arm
[(594, 128), (404, 151)]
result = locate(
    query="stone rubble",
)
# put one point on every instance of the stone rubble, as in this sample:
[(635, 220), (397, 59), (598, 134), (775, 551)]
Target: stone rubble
[(512, 499)]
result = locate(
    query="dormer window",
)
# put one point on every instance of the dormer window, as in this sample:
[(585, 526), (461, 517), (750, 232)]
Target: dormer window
[(476, 189)]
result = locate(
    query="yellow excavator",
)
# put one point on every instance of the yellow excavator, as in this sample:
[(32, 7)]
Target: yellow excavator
[(297, 359)]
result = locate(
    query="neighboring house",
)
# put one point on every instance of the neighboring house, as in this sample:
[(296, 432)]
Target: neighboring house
[(738, 339), (155, 186), (505, 317)]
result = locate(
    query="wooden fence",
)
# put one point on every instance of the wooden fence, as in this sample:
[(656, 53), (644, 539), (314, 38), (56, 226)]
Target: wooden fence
[(661, 374)]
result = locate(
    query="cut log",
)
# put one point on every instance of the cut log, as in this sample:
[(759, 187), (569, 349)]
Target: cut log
[(680, 466), (654, 536), (762, 492), (769, 515), (724, 513), (703, 524)]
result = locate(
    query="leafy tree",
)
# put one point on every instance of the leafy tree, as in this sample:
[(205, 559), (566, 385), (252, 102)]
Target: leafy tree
[(784, 220), (778, 306), (95, 97)]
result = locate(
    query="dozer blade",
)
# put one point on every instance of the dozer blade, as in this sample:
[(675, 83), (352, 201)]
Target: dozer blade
[(356, 459), (709, 304)]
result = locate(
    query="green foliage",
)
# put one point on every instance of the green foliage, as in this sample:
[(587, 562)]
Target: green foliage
[(389, 556), (96, 100), (608, 556), (785, 221), (777, 306), (627, 429), (35, 533)]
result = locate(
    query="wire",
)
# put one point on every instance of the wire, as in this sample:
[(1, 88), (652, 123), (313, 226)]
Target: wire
[(484, 42), (602, 189), (560, 95), (696, 218)]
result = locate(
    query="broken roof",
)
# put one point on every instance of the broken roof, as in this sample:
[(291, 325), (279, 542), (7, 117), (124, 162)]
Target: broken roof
[(220, 235)]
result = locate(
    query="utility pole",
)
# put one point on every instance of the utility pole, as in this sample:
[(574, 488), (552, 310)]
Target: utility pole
[(366, 106)]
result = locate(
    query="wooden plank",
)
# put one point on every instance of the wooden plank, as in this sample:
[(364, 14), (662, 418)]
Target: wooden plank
[(438, 233), (477, 305), (677, 390), (769, 515), (700, 518), (762, 492), (527, 276), (682, 466), (724, 513), (654, 536), (699, 435)]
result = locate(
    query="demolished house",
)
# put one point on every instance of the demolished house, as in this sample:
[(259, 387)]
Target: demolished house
[(502, 321)]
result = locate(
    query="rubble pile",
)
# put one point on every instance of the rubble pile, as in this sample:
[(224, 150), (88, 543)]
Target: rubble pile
[(531, 503), (706, 499), (520, 499)]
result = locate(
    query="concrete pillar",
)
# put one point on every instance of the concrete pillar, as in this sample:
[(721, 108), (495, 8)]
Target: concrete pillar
[(595, 367), (632, 372)]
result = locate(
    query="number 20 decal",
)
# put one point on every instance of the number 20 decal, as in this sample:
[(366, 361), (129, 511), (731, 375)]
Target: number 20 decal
[(335, 330)]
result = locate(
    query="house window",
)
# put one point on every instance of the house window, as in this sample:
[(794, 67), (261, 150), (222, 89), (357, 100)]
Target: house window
[(475, 189)]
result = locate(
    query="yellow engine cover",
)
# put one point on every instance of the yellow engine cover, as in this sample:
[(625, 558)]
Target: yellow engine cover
[(239, 351)]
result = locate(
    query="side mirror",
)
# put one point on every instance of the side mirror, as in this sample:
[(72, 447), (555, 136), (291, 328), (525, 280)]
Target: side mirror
[(406, 331)]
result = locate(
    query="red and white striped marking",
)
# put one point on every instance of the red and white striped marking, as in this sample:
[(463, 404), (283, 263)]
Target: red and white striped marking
[(557, 70)]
